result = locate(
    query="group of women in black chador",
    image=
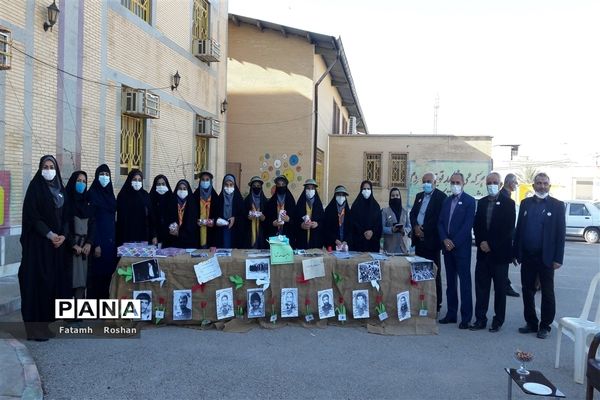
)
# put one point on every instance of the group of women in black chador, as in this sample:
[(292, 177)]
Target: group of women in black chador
[(70, 234)]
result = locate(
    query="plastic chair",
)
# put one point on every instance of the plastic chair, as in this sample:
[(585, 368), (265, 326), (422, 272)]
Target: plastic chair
[(580, 330), (593, 369)]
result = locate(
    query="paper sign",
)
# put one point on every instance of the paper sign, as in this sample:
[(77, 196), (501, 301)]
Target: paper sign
[(159, 314), (273, 318), (281, 254), (341, 317), (207, 270), (422, 312), (383, 316), (309, 318), (313, 268)]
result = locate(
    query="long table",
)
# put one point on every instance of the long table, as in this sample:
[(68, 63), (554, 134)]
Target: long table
[(396, 278)]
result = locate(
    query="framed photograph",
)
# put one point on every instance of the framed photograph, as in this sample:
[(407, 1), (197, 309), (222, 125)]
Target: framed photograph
[(403, 301), (360, 304), (369, 271), (224, 302), (289, 302), (422, 271), (257, 268), (326, 308), (182, 305), (256, 303), (144, 271), (145, 298)]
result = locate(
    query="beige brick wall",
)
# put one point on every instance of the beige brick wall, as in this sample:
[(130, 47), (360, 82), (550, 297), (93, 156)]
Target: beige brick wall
[(172, 19), (16, 13)]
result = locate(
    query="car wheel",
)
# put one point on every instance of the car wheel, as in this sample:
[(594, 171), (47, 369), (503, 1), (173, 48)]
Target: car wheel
[(591, 235)]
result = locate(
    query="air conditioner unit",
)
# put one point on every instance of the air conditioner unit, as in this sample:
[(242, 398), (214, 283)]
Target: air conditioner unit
[(206, 50), (352, 127), (208, 127), (5, 48), (140, 103)]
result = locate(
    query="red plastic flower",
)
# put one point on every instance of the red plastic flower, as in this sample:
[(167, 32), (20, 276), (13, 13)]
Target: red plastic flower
[(272, 301), (341, 300), (198, 287), (422, 296), (239, 302), (161, 300), (413, 283), (307, 301), (203, 304), (378, 299), (300, 279)]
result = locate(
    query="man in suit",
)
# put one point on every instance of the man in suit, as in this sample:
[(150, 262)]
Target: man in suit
[(539, 246), (494, 227), (454, 227), (510, 186), (424, 217)]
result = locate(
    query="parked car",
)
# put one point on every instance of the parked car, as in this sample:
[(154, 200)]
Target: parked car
[(583, 219)]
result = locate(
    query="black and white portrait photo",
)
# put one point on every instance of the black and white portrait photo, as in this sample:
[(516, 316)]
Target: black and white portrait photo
[(257, 268), (145, 270), (289, 302), (403, 300), (360, 304), (224, 298), (422, 271), (256, 303), (182, 304), (326, 309), (369, 271), (145, 298)]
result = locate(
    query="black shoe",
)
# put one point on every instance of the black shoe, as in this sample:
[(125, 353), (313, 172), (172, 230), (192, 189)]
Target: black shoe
[(477, 326), (511, 292), (494, 328), (463, 325), (447, 320), (543, 333), (527, 329)]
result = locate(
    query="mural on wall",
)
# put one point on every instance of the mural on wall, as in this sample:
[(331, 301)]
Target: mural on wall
[(272, 165), (474, 172)]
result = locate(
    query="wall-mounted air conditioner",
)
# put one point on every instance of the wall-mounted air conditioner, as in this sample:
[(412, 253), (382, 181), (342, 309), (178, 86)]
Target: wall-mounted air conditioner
[(206, 50), (208, 127), (140, 103)]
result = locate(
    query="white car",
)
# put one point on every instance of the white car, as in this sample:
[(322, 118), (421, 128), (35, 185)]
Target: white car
[(583, 219)]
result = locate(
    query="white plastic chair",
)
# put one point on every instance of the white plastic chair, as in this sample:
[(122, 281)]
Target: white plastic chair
[(581, 331)]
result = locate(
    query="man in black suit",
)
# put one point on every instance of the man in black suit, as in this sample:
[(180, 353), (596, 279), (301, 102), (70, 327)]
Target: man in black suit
[(539, 246), (510, 185), (494, 227), (424, 218)]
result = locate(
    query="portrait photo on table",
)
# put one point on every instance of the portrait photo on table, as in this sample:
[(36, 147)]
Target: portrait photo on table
[(182, 304), (403, 300), (326, 309), (224, 301), (369, 271), (289, 302), (145, 298), (256, 303), (257, 268), (360, 304), (144, 271), (422, 271)]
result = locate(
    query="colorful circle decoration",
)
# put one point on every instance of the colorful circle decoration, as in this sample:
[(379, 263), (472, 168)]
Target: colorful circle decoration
[(268, 184), (277, 163), (277, 173), (293, 185), (284, 156), (264, 176), (289, 174), (293, 159), (265, 165), (298, 168), (261, 158), (270, 168), (267, 156), (299, 178), (285, 165)]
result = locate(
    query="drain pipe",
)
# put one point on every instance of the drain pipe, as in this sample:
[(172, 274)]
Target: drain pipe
[(316, 114)]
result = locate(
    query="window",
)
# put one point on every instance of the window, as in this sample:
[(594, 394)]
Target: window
[(398, 168), (141, 8), (132, 143), (335, 127), (579, 210), (372, 168), (5, 48), (320, 170), (200, 155), (200, 24)]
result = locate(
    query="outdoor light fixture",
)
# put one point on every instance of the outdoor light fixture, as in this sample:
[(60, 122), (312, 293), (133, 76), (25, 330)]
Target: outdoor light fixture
[(52, 16), (224, 106), (175, 81)]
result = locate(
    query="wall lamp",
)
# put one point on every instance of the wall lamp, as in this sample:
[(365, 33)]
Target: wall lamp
[(224, 106), (52, 16), (175, 81)]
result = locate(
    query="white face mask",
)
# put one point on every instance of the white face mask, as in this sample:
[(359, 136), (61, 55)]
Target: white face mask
[(310, 193), (492, 190), (229, 190), (49, 174), (456, 189), (161, 189), (136, 185), (366, 193), (182, 194), (340, 199), (541, 195)]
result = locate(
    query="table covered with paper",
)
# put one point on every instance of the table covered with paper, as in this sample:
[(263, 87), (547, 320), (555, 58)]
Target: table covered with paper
[(237, 290)]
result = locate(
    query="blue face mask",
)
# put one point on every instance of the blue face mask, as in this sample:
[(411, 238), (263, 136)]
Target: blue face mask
[(104, 180), (80, 187), (427, 187), (204, 184)]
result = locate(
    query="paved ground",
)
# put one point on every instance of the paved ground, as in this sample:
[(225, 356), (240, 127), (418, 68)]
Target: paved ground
[(333, 363)]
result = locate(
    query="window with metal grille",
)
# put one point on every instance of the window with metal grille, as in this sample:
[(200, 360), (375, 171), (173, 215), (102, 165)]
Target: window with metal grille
[(5, 48), (320, 168), (201, 20), (372, 168), (141, 8), (398, 169), (344, 126), (335, 127), (132, 143), (200, 155)]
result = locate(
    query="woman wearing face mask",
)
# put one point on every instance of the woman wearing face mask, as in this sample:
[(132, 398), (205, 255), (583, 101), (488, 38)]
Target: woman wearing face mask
[(45, 228), (133, 211), (254, 208), (185, 231), (206, 197), (280, 211), (230, 211), (338, 222), (396, 225), (309, 210), (104, 254), (80, 215), (366, 220), (162, 201)]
